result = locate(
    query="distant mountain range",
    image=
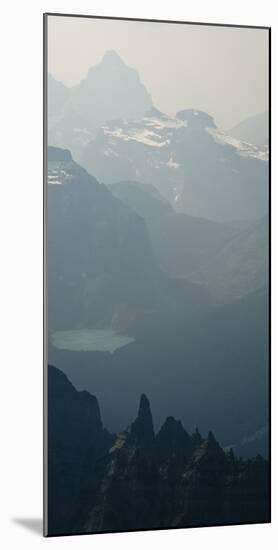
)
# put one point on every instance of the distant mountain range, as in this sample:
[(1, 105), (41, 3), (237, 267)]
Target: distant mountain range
[(110, 125), (138, 479), (254, 129)]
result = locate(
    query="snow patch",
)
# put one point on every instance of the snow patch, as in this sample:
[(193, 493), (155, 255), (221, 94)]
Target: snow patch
[(58, 177), (172, 164), (243, 148), (162, 123), (147, 137)]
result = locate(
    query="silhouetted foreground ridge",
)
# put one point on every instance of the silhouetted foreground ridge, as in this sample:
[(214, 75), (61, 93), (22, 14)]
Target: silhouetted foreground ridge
[(138, 479)]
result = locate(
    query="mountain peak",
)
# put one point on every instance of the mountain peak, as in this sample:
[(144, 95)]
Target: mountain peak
[(142, 429), (196, 119), (213, 446), (172, 438), (144, 405), (197, 438), (111, 57)]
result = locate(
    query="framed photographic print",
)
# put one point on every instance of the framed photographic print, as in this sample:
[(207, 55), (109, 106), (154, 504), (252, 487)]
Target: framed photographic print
[(157, 279)]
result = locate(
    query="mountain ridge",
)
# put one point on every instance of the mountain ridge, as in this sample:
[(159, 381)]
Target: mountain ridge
[(125, 482), (165, 152)]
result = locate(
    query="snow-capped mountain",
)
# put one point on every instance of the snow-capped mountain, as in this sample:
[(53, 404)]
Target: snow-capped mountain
[(110, 90), (198, 168), (112, 129)]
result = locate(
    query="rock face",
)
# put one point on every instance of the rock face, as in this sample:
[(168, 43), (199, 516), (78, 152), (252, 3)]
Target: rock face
[(141, 432), (75, 432), (139, 480)]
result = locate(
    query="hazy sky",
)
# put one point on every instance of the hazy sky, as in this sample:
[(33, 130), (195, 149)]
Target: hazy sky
[(221, 70)]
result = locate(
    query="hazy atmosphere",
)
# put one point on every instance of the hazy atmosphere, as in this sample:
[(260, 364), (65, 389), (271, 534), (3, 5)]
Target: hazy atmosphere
[(220, 70), (157, 266)]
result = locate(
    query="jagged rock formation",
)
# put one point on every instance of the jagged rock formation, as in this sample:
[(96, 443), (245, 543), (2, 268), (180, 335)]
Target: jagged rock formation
[(139, 480), (141, 432)]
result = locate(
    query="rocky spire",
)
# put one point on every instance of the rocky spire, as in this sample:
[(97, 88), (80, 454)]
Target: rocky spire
[(111, 57), (172, 439), (212, 446), (141, 430), (197, 438)]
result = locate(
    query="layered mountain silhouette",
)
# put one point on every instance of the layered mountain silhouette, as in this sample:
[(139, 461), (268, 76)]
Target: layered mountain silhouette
[(158, 233), (199, 368), (101, 267), (229, 260), (110, 266), (100, 261), (139, 479), (111, 127)]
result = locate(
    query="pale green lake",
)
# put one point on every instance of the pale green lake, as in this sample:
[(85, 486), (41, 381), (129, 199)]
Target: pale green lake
[(89, 340)]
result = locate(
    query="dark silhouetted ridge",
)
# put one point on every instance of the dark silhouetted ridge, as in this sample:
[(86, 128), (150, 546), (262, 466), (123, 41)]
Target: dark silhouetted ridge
[(136, 480), (172, 439), (142, 429)]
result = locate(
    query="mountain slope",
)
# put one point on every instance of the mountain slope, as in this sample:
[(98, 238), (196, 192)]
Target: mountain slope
[(254, 129), (57, 97), (183, 244), (96, 246), (241, 265), (229, 260), (101, 268)]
